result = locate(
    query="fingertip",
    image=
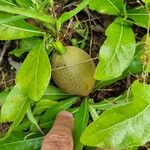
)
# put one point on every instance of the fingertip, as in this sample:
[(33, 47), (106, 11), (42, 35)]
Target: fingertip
[(66, 114)]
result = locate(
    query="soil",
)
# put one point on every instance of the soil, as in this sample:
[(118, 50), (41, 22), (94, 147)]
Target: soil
[(7, 73)]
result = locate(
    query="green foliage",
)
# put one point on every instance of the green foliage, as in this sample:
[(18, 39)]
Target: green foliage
[(50, 114), (3, 96), (25, 46), (81, 120), (43, 105), (146, 1), (116, 55), (140, 16), (122, 127), (17, 29), (111, 7), (34, 74), (17, 141), (12, 105), (28, 13), (54, 93), (136, 65), (7, 2), (25, 3), (67, 15), (33, 103)]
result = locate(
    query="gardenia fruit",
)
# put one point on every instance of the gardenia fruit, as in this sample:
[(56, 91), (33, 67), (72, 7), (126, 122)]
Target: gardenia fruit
[(73, 71)]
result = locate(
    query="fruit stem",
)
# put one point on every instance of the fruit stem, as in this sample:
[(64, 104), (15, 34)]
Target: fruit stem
[(59, 47)]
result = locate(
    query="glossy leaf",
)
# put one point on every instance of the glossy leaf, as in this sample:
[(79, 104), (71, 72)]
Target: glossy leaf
[(33, 120), (117, 51), (51, 113), (27, 12), (93, 112), (146, 1), (24, 125), (12, 105), (7, 2), (125, 126), (17, 29), (112, 7), (136, 65), (43, 105), (14, 109), (67, 15), (3, 96), (55, 93), (25, 3), (34, 74), (80, 123), (10, 18), (139, 15), (19, 117), (25, 45), (17, 141)]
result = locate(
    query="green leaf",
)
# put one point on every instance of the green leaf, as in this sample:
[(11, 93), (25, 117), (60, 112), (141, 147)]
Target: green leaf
[(27, 12), (17, 141), (102, 84), (12, 105), (67, 15), (146, 1), (7, 18), (90, 148), (33, 120), (80, 123), (25, 45), (7, 2), (34, 74), (136, 65), (111, 7), (51, 113), (117, 51), (17, 29), (93, 112), (19, 117), (125, 126), (114, 101), (25, 3), (43, 105), (3, 96), (14, 109), (55, 93), (140, 16), (24, 125)]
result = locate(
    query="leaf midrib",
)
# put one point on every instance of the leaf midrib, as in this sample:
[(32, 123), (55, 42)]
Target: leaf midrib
[(37, 68), (18, 114), (29, 140), (123, 120), (116, 49), (67, 103), (113, 5), (22, 29)]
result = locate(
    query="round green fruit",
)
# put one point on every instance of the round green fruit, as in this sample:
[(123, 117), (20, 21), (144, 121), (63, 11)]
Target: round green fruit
[(73, 71)]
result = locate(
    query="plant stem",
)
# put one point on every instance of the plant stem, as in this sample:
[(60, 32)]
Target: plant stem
[(59, 47)]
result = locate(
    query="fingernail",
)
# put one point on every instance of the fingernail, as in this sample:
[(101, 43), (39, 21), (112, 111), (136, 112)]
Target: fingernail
[(65, 113)]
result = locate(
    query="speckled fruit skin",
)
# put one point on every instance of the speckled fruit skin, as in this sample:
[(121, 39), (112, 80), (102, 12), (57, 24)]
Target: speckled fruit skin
[(75, 73)]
